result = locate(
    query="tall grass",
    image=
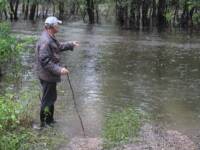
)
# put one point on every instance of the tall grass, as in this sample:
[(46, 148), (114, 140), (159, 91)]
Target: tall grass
[(121, 127)]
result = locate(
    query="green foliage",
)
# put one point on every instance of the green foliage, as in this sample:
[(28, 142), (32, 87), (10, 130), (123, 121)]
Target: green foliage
[(10, 141), (169, 16), (196, 18), (3, 4), (120, 127), (10, 46), (9, 113), (194, 4), (16, 115), (4, 29), (11, 49), (26, 139)]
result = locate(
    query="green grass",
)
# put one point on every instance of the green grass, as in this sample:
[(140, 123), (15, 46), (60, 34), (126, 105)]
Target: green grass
[(121, 127)]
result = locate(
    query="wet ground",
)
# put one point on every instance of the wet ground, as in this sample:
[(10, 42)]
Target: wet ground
[(156, 73)]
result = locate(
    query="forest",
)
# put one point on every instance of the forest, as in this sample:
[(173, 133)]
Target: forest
[(129, 14)]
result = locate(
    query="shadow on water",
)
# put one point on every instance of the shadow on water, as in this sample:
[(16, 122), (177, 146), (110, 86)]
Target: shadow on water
[(158, 73)]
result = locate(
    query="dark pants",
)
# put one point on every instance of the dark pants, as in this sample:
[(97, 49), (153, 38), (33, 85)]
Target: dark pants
[(49, 97)]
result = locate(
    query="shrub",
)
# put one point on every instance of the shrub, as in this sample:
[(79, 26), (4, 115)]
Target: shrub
[(10, 46), (9, 113)]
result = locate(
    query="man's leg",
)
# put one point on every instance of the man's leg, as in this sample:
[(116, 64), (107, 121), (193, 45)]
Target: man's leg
[(54, 95), (48, 99), (52, 114)]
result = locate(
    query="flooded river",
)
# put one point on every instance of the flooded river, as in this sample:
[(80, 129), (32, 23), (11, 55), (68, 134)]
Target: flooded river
[(156, 73)]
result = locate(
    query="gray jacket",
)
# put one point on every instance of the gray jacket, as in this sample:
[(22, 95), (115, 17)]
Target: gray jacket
[(48, 59)]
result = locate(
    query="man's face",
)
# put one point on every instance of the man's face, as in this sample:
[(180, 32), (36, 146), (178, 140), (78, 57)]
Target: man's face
[(55, 29)]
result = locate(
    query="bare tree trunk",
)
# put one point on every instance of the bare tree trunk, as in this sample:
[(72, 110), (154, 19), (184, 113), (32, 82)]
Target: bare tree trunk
[(16, 9), (161, 13), (61, 10), (43, 12), (190, 16), (32, 11), (126, 17), (132, 15), (97, 14), (90, 11), (176, 13), (26, 10), (1, 15), (54, 9), (145, 8), (138, 16), (72, 8), (5, 14), (23, 7), (46, 12), (1, 74), (11, 10), (154, 9), (185, 15), (37, 10)]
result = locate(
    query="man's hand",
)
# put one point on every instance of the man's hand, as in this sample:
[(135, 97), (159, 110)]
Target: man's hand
[(75, 43), (64, 71)]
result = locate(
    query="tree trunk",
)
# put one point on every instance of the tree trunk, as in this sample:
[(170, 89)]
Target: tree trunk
[(72, 8), (90, 11), (1, 74), (11, 10), (185, 15), (190, 16), (154, 9), (122, 12), (54, 9), (23, 7), (1, 15), (161, 13), (43, 11), (46, 12), (16, 9), (126, 17), (132, 15), (32, 11), (145, 8), (138, 16), (176, 13), (97, 14), (37, 10), (61, 10), (5, 14), (26, 10)]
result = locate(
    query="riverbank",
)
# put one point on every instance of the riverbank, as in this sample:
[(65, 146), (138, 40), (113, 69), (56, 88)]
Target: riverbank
[(150, 138)]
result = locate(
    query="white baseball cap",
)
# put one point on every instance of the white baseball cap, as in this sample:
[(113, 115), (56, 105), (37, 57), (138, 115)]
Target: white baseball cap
[(52, 21)]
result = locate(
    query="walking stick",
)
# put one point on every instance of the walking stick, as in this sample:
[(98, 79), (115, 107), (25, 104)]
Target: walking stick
[(75, 105)]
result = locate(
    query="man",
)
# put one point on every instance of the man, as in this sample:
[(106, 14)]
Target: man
[(48, 67)]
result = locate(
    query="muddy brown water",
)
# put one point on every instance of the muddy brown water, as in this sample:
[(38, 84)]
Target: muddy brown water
[(156, 73)]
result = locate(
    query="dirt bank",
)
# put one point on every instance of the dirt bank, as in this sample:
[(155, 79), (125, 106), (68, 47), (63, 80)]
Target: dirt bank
[(150, 138)]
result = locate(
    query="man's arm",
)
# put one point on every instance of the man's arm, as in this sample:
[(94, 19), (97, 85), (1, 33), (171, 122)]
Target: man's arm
[(45, 58), (66, 46)]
